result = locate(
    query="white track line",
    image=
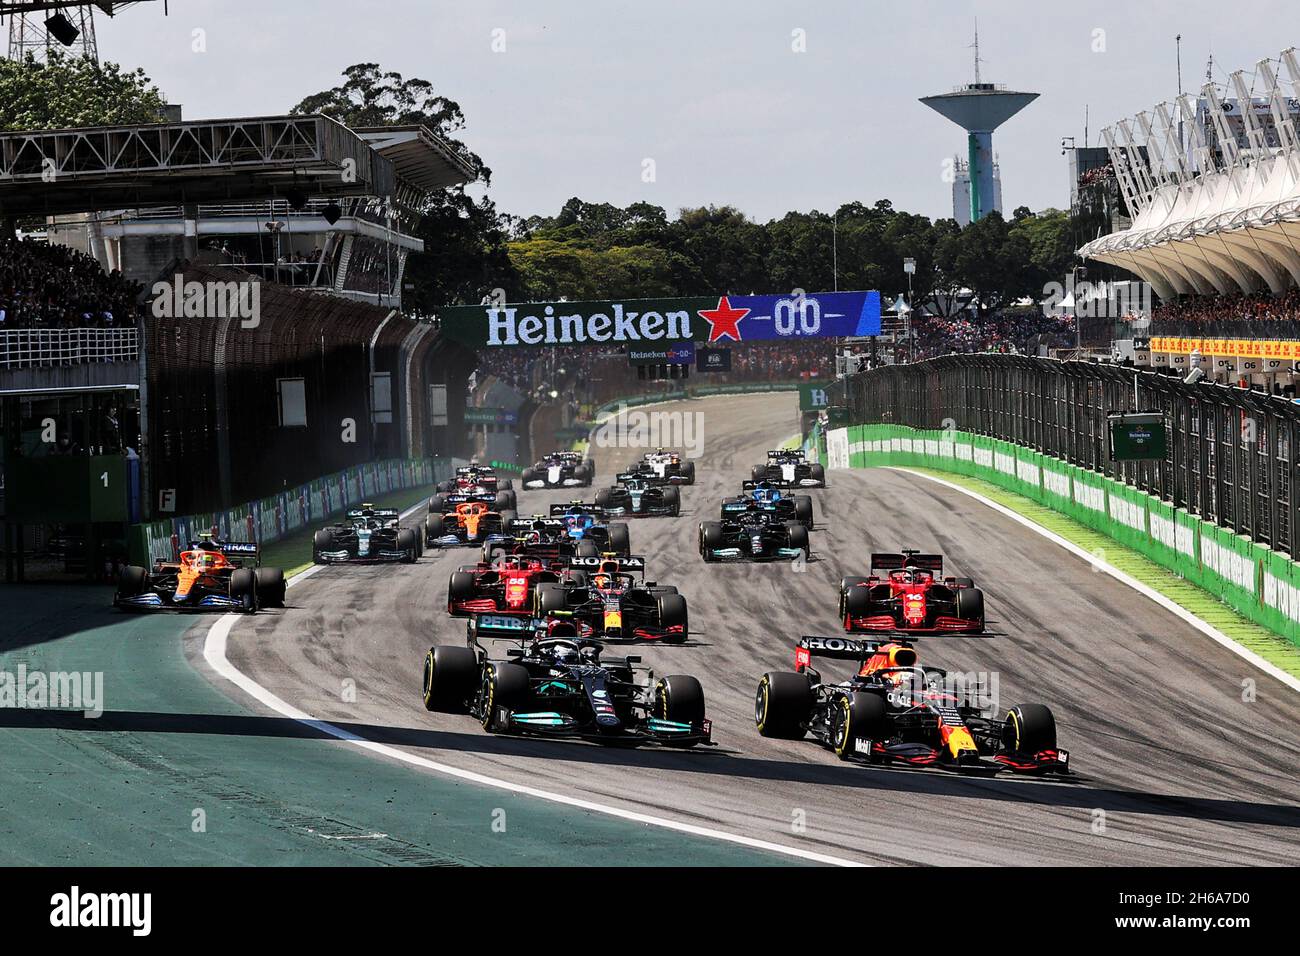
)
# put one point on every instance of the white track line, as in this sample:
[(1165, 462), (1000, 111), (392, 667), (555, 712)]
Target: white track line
[(1168, 604), (214, 652)]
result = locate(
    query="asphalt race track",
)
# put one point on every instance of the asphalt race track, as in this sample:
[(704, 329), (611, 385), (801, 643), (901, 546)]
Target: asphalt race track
[(1172, 766)]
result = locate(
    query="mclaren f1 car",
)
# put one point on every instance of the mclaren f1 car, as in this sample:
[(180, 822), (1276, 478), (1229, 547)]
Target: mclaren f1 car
[(209, 575), (464, 522)]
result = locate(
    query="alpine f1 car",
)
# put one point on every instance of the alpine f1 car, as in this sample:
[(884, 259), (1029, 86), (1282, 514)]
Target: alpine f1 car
[(479, 480), (789, 469), (755, 535), (606, 595), (640, 496), (762, 496), (504, 586), (555, 683), (894, 711), (668, 466), (468, 522), (560, 469), (210, 575), (367, 534), (586, 522), (908, 592)]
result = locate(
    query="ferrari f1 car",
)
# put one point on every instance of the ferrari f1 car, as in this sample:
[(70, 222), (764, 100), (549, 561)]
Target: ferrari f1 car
[(465, 522), (504, 586), (908, 591), (894, 711), (753, 534), (606, 595), (367, 534), (763, 496), (210, 575), (668, 466), (789, 469), (555, 683), (560, 469), (639, 495), (478, 480)]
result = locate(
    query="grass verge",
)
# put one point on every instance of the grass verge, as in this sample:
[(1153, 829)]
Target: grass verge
[(1274, 648)]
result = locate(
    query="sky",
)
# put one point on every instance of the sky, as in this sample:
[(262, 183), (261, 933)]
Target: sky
[(766, 105)]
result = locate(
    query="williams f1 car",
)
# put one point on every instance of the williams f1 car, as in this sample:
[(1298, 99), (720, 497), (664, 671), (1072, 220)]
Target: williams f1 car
[(367, 534), (908, 592), (560, 469), (894, 711), (641, 496), (555, 683), (466, 522), (210, 575), (755, 535), (789, 469), (606, 595), (762, 496)]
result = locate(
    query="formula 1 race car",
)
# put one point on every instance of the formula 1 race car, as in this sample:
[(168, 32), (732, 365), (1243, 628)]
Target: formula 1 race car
[(789, 469), (585, 522), (560, 469), (210, 575), (667, 466), (478, 480), (892, 710), (907, 591), (504, 586), (557, 684), (641, 496), (762, 496), (445, 501), (753, 534), (609, 598), (469, 522), (367, 534)]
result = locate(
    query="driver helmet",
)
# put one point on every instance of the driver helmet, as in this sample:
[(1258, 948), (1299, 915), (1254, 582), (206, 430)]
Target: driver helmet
[(564, 653)]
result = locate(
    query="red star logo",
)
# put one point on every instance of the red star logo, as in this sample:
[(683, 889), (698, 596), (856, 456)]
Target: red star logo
[(724, 320)]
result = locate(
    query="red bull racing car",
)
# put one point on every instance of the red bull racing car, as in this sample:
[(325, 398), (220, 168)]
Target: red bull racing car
[(908, 592), (607, 595), (895, 711)]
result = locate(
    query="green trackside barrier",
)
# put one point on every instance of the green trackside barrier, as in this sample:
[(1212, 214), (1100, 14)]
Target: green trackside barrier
[(1259, 584)]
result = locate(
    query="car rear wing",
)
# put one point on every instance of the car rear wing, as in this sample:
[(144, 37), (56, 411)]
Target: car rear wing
[(784, 453), (239, 550), (374, 513), (535, 524), (634, 563), (748, 485), (577, 508), (886, 561)]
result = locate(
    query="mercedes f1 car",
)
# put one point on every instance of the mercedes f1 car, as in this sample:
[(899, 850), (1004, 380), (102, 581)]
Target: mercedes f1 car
[(908, 591), (555, 683), (367, 534), (560, 469), (477, 480), (755, 535), (641, 496), (466, 522), (789, 469), (762, 496), (606, 595), (894, 711), (210, 575), (667, 467), (504, 586)]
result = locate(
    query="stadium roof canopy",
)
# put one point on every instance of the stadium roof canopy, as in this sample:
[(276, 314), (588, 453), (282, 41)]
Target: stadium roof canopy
[(52, 172)]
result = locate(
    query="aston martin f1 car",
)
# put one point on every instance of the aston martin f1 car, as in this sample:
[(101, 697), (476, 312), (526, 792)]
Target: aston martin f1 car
[(607, 595), (587, 522), (894, 711), (367, 534), (789, 469), (504, 586), (641, 496), (469, 522), (560, 469), (210, 575), (755, 535), (668, 466), (479, 480), (763, 496), (908, 592), (555, 683)]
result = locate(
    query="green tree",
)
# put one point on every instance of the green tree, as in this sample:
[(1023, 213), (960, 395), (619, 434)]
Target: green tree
[(68, 91)]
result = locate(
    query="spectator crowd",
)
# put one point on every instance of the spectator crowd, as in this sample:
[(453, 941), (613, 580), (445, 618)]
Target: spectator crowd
[(1018, 332), (1203, 310), (53, 287)]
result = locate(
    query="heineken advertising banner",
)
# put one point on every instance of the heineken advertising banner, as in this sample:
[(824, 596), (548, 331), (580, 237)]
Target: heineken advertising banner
[(650, 322)]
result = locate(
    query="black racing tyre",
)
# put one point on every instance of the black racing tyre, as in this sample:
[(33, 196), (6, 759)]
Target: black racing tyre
[(711, 537), (664, 589), (817, 473), (270, 586), (620, 541), (243, 588), (408, 542), (504, 685), (446, 487), (437, 505), (604, 498), (803, 510), (527, 476), (576, 578), (550, 598), (586, 548), (797, 536), (582, 475), (673, 499), (506, 484), (434, 528), (758, 472), (1029, 728), (688, 470), (847, 584), (321, 541), (857, 602), (450, 678), (963, 582), (508, 516), (461, 587), (505, 501), (970, 605), (680, 698), (672, 613), (782, 705), (131, 581), (854, 716)]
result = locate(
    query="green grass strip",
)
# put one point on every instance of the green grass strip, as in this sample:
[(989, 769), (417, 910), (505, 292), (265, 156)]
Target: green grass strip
[(1274, 648), (293, 553)]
